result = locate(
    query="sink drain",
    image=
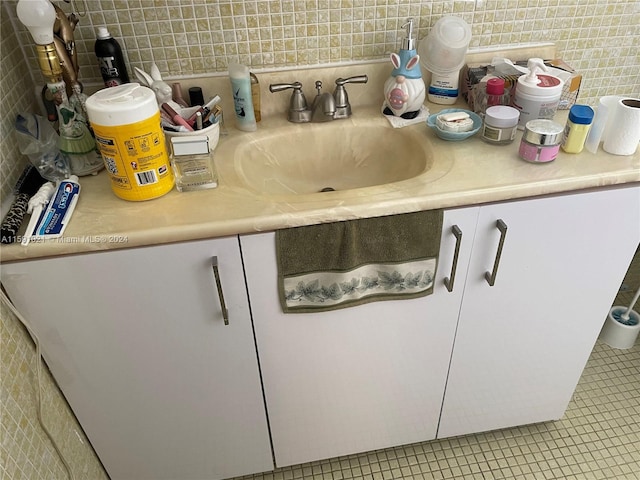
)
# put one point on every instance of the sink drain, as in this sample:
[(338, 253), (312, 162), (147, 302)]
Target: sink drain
[(328, 189)]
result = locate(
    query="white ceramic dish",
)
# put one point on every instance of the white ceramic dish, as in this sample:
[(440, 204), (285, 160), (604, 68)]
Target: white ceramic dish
[(455, 136)]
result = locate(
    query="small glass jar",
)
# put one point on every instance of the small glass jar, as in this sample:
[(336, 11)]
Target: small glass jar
[(490, 94), (500, 125), (192, 163), (541, 141)]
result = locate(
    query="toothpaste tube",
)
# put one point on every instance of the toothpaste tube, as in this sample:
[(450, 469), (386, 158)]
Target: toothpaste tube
[(55, 218)]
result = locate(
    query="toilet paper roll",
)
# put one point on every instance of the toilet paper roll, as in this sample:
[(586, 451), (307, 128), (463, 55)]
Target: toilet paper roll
[(622, 133)]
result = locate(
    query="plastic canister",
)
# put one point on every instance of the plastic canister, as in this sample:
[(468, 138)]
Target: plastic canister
[(537, 95), (126, 123), (577, 128)]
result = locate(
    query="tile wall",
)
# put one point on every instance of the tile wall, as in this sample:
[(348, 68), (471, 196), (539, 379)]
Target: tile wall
[(198, 37), (25, 451)]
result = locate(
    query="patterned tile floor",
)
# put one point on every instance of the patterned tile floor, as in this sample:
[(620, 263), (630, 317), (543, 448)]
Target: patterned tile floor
[(598, 438)]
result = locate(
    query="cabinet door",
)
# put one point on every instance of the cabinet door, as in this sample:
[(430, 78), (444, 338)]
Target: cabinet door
[(360, 378), (136, 339), (522, 343)]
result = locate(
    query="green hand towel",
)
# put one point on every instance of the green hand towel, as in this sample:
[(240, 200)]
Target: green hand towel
[(337, 265)]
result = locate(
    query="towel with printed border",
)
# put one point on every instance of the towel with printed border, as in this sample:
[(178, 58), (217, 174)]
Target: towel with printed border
[(343, 264)]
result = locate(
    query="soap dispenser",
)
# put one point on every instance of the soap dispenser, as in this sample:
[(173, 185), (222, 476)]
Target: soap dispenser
[(537, 95), (404, 91)]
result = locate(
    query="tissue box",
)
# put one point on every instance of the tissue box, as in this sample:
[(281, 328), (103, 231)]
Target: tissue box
[(572, 82), (472, 75)]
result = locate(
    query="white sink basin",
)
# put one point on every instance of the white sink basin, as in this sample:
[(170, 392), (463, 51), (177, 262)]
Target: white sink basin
[(341, 155)]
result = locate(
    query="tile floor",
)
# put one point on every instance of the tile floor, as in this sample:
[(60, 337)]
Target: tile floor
[(598, 438)]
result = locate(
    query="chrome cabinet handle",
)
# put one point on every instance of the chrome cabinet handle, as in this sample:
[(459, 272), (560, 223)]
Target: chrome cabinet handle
[(448, 282), (223, 306), (491, 277)]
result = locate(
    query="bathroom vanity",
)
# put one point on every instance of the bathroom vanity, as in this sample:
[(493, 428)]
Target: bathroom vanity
[(164, 388), (131, 311)]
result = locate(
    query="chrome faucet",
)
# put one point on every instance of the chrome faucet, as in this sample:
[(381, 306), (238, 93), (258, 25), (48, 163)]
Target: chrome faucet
[(325, 107)]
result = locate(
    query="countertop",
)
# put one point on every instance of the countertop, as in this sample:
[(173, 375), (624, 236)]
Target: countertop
[(464, 173)]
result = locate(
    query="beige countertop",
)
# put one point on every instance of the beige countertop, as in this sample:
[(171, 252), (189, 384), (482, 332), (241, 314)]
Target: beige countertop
[(463, 173)]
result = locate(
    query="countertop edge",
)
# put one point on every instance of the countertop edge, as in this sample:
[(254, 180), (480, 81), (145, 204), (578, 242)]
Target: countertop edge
[(263, 223)]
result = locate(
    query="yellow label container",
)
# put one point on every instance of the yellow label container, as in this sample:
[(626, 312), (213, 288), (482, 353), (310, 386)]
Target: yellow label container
[(126, 123)]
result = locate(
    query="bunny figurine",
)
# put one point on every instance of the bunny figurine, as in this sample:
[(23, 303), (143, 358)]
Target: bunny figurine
[(404, 91), (159, 87)]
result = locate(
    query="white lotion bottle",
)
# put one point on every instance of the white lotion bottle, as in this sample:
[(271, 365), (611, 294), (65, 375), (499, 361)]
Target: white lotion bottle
[(442, 53), (537, 95), (443, 88), (243, 103)]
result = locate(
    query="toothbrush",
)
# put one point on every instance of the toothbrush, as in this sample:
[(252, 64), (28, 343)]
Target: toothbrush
[(36, 206)]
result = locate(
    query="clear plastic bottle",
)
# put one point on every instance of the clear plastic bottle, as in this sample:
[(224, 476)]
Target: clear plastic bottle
[(577, 128), (255, 96)]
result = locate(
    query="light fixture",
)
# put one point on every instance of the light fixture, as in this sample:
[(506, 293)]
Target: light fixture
[(39, 16)]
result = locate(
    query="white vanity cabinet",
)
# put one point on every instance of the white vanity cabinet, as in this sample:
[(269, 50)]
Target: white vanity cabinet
[(521, 344), (373, 376), (354, 379), (137, 341)]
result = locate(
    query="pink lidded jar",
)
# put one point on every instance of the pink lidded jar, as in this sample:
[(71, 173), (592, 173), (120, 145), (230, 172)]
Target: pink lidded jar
[(541, 141)]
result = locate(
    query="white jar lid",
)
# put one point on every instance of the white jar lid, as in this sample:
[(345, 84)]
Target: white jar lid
[(502, 116), (197, 145), (547, 86), (122, 105)]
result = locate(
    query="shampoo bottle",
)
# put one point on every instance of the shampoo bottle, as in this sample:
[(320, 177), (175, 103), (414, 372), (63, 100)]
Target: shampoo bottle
[(404, 91), (241, 90), (537, 95)]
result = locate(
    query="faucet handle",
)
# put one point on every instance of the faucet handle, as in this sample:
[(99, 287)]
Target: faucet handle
[(343, 107), (356, 79), (298, 102), (279, 87), (298, 108)]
